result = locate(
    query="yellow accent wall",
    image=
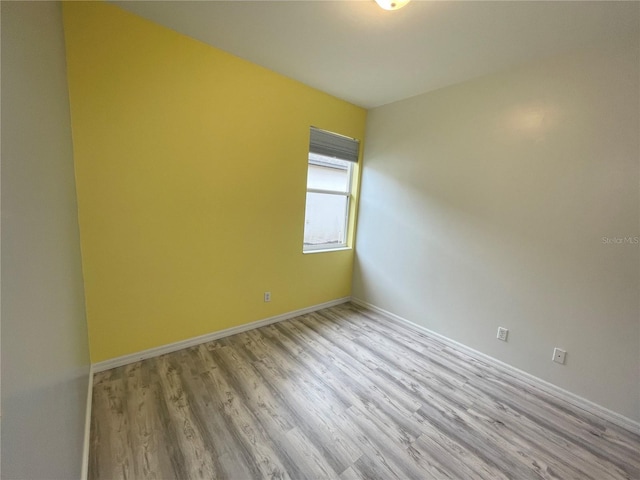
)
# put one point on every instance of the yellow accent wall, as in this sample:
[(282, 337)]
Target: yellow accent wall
[(191, 176)]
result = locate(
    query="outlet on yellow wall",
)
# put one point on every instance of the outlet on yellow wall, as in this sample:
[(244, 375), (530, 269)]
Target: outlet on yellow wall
[(191, 175)]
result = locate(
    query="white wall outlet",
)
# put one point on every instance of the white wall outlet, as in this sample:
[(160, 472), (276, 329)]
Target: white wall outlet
[(559, 355), (267, 296), (502, 334)]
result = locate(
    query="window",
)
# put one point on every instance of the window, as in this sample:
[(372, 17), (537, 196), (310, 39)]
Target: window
[(329, 179)]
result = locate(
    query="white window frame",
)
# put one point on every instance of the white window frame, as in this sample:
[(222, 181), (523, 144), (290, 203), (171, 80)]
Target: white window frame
[(347, 194), (332, 146)]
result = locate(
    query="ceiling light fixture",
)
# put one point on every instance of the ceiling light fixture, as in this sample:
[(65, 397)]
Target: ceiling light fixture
[(392, 4)]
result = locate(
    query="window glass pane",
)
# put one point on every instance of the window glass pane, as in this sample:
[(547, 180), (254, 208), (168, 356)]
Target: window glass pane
[(325, 220), (328, 174)]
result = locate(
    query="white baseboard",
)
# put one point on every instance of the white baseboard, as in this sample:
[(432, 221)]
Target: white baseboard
[(191, 342), (549, 388), (84, 474)]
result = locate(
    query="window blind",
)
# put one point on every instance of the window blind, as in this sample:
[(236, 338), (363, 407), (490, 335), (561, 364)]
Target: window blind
[(333, 145)]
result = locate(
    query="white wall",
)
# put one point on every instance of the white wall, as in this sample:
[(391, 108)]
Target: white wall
[(45, 358), (486, 204)]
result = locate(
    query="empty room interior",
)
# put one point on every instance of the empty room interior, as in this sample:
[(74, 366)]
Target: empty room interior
[(320, 240)]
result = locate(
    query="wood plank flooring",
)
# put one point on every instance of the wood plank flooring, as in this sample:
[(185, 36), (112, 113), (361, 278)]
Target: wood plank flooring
[(344, 394)]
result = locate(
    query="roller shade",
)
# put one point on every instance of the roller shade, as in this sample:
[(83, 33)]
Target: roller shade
[(333, 145)]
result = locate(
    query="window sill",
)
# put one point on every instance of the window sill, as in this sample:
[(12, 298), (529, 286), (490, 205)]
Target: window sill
[(325, 250)]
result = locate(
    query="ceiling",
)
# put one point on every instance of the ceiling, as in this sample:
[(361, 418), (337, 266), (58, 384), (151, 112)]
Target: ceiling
[(368, 56)]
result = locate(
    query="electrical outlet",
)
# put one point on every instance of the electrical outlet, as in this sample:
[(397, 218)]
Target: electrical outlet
[(559, 355), (267, 296), (502, 334)]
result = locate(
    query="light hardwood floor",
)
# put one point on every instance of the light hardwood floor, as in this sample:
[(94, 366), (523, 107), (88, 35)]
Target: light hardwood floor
[(346, 394)]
